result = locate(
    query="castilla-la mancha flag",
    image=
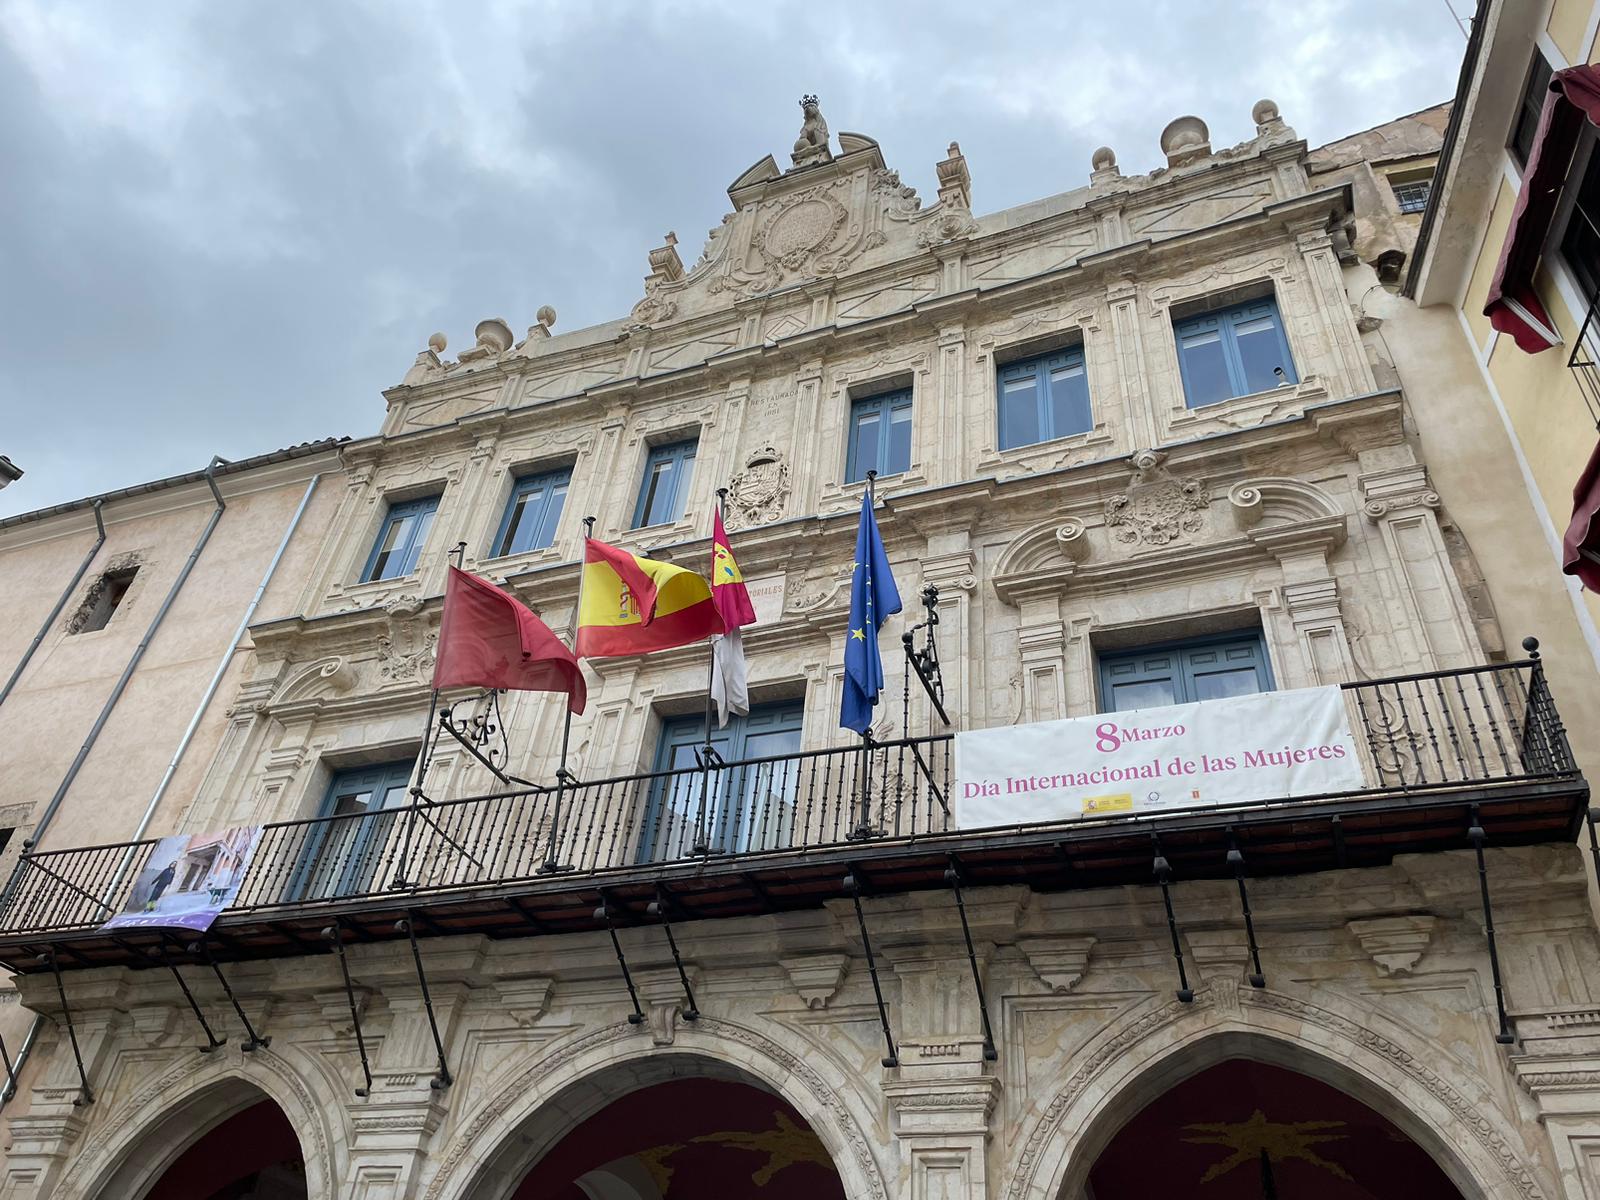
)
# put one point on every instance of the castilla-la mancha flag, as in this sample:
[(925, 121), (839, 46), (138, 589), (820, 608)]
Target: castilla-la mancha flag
[(489, 639), (730, 687), (632, 604)]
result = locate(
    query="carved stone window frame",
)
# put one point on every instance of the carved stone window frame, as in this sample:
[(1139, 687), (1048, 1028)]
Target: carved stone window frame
[(534, 454), (663, 425), (1216, 286), (998, 347), (914, 369)]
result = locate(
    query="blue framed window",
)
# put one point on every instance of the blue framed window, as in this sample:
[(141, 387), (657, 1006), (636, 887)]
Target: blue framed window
[(1212, 668), (533, 512), (880, 435), (1043, 398), (400, 541), (345, 849), (747, 807), (1233, 352), (665, 489)]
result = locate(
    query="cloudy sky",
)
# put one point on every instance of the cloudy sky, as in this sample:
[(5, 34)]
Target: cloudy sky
[(226, 227)]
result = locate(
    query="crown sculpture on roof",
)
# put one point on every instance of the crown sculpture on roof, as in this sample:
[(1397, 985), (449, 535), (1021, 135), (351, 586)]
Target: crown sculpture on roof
[(811, 147)]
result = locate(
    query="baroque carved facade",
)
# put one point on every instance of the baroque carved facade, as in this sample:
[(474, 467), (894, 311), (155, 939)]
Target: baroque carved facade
[(1303, 511)]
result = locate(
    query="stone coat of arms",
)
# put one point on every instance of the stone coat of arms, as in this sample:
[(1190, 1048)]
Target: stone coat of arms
[(1158, 508)]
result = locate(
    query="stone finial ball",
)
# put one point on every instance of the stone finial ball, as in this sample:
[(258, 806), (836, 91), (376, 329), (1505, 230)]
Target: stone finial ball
[(1264, 111), (1103, 159), (546, 315), (1184, 133), (437, 343)]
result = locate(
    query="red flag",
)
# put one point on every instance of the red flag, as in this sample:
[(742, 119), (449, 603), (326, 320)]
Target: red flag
[(727, 581), (490, 639)]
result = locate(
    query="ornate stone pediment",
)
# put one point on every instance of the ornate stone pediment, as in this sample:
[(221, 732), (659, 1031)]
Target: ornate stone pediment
[(832, 213)]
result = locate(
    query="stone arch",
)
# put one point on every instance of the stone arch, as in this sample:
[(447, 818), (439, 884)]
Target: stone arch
[(147, 1131), (541, 1104), (1448, 1112)]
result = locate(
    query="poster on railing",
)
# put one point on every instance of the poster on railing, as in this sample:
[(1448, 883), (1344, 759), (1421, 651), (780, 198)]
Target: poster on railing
[(189, 879), (1270, 746)]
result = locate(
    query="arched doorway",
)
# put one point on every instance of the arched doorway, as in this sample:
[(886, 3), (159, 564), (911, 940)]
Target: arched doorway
[(683, 1139), (1246, 1130), (252, 1155)]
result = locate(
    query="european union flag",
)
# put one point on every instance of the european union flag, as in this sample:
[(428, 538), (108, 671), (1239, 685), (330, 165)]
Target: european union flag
[(873, 599)]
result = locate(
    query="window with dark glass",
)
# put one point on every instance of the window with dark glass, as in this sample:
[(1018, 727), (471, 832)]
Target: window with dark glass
[(665, 489), (1233, 352), (1043, 398), (344, 851), (1526, 123), (1181, 672), (1580, 241), (748, 806), (880, 435), (1413, 195), (533, 512), (400, 540)]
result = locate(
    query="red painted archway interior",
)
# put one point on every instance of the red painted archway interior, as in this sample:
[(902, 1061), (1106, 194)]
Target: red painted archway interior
[(1248, 1131), (689, 1139), (254, 1154)]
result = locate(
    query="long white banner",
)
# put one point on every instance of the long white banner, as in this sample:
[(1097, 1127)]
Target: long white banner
[(1271, 746)]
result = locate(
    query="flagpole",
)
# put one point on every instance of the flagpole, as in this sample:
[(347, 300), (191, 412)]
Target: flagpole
[(430, 740), (702, 843), (549, 866), (863, 829)]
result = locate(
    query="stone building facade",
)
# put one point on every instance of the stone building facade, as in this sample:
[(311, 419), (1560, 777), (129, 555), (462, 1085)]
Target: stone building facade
[(1290, 515)]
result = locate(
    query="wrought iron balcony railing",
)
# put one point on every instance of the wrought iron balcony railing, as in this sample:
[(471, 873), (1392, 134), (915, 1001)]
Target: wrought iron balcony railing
[(1478, 732)]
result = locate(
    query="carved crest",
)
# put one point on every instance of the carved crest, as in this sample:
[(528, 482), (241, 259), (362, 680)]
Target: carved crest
[(756, 493), (406, 651), (1158, 508)]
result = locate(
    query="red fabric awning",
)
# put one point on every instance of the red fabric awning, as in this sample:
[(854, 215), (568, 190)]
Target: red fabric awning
[(1580, 549), (1513, 307)]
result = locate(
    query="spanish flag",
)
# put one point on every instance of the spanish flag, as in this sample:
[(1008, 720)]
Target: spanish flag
[(632, 604)]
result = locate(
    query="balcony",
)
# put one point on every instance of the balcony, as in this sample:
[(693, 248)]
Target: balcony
[(1440, 752)]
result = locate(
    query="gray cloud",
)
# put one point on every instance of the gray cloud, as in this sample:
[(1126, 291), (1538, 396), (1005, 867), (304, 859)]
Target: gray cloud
[(225, 228)]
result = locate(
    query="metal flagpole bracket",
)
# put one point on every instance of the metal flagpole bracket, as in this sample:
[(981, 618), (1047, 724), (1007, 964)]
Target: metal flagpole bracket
[(212, 1040), (603, 913), (924, 662), (443, 1079), (1477, 837), (1163, 873), (660, 908), (952, 876), (85, 1095), (852, 884), (335, 935), (1236, 865), (254, 1040)]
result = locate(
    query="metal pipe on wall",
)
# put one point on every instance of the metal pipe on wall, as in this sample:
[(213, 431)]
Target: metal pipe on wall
[(188, 734), (66, 594), (138, 653)]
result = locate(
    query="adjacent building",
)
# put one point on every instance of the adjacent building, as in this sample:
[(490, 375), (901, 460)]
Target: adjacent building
[(1161, 439)]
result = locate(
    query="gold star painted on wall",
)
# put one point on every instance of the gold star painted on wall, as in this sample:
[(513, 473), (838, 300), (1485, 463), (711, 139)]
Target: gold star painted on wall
[(786, 1146), (1282, 1143)]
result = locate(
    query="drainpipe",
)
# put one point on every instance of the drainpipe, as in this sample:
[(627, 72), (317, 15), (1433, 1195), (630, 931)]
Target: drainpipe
[(127, 672), (100, 525), (105, 715), (216, 679)]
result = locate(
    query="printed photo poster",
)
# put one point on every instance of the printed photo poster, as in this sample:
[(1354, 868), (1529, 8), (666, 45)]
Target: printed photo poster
[(188, 880), (1269, 746)]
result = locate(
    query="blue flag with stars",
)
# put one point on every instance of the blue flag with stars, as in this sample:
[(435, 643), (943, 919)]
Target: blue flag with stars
[(873, 599)]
